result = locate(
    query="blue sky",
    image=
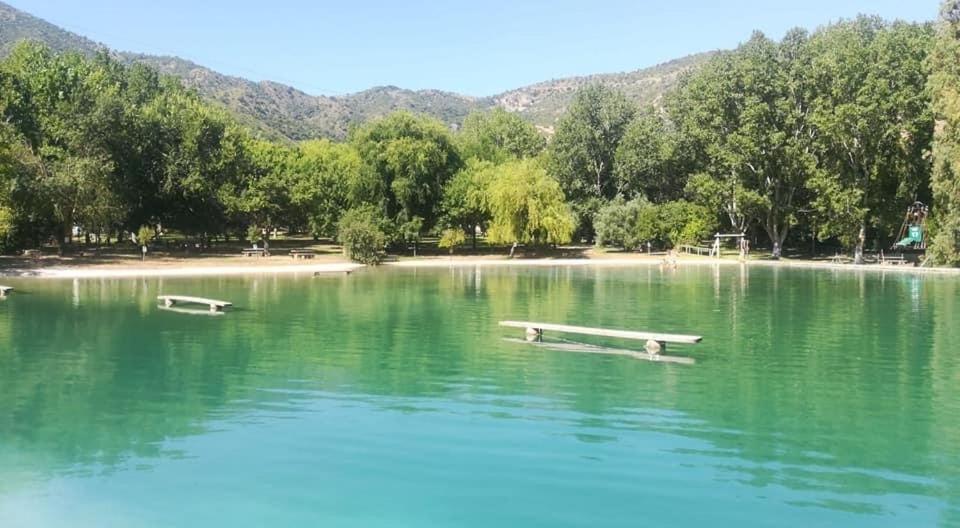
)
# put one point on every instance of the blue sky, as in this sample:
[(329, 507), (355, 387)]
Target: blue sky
[(476, 48)]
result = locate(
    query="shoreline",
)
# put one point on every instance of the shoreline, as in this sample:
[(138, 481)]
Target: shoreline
[(130, 272), (188, 269)]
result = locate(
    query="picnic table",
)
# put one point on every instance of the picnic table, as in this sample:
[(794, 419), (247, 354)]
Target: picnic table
[(302, 253), (255, 252)]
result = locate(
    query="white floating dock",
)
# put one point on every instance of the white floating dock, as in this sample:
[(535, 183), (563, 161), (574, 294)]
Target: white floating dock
[(215, 305), (4, 290), (538, 328)]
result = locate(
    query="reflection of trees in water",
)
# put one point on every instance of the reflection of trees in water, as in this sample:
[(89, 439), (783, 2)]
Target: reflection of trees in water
[(773, 397)]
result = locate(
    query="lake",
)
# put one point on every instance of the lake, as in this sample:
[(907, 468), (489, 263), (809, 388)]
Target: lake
[(391, 397)]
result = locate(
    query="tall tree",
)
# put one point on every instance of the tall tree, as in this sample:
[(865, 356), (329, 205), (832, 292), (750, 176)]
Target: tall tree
[(407, 160), (874, 125), (464, 197), (651, 160), (324, 173), (747, 112), (584, 147), (945, 88)]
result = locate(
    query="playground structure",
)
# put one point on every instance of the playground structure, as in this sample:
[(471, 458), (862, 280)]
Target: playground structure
[(743, 245), (913, 235)]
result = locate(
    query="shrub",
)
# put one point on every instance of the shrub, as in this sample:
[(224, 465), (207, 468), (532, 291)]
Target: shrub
[(362, 236), (625, 224), (452, 239), (683, 222)]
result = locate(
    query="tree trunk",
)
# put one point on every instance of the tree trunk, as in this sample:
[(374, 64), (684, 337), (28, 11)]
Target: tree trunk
[(861, 240)]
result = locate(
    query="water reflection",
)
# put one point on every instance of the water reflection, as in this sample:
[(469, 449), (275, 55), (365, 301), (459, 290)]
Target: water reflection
[(836, 391)]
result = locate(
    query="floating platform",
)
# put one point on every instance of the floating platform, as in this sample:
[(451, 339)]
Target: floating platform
[(214, 305), (603, 332), (655, 343), (4, 290)]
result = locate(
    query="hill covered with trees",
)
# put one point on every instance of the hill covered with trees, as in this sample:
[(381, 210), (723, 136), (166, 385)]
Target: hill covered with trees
[(277, 111)]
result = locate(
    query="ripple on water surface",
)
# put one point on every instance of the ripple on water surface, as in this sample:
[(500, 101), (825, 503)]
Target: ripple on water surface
[(391, 398)]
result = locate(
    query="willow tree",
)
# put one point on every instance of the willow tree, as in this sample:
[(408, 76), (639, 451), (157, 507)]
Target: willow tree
[(527, 206), (945, 89), (407, 159)]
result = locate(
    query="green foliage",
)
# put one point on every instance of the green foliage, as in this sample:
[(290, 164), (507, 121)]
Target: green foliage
[(144, 235), (618, 224), (323, 174), (361, 233), (582, 151), (407, 160), (464, 196), (527, 206), (586, 141), (630, 224), (498, 136), (451, 239), (744, 115), (682, 222), (874, 123), (944, 85), (650, 160)]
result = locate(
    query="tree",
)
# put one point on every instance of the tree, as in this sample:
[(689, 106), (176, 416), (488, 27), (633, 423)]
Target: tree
[(527, 206), (362, 236), (144, 234), (324, 172), (874, 125), (746, 112), (650, 160), (464, 197), (618, 224), (682, 222), (260, 197), (498, 136), (451, 239), (583, 150), (407, 160), (944, 85)]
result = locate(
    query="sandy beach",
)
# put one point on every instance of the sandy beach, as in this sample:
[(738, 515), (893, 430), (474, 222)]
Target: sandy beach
[(229, 265)]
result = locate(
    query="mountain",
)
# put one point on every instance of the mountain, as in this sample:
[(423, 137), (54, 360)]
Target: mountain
[(280, 111)]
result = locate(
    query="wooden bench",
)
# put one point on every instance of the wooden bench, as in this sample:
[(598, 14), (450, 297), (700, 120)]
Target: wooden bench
[(255, 252), (4, 290), (302, 253), (215, 305), (32, 253)]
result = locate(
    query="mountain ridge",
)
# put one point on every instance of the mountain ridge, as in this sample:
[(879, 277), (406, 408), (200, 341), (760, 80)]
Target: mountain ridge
[(279, 111)]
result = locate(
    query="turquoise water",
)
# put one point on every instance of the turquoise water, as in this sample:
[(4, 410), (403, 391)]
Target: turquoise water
[(392, 398)]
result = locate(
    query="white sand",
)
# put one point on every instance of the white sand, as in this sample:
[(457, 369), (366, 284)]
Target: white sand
[(219, 270), (188, 271)]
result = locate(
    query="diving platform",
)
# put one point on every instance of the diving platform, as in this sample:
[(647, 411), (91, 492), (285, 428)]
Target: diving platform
[(4, 290), (215, 305)]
